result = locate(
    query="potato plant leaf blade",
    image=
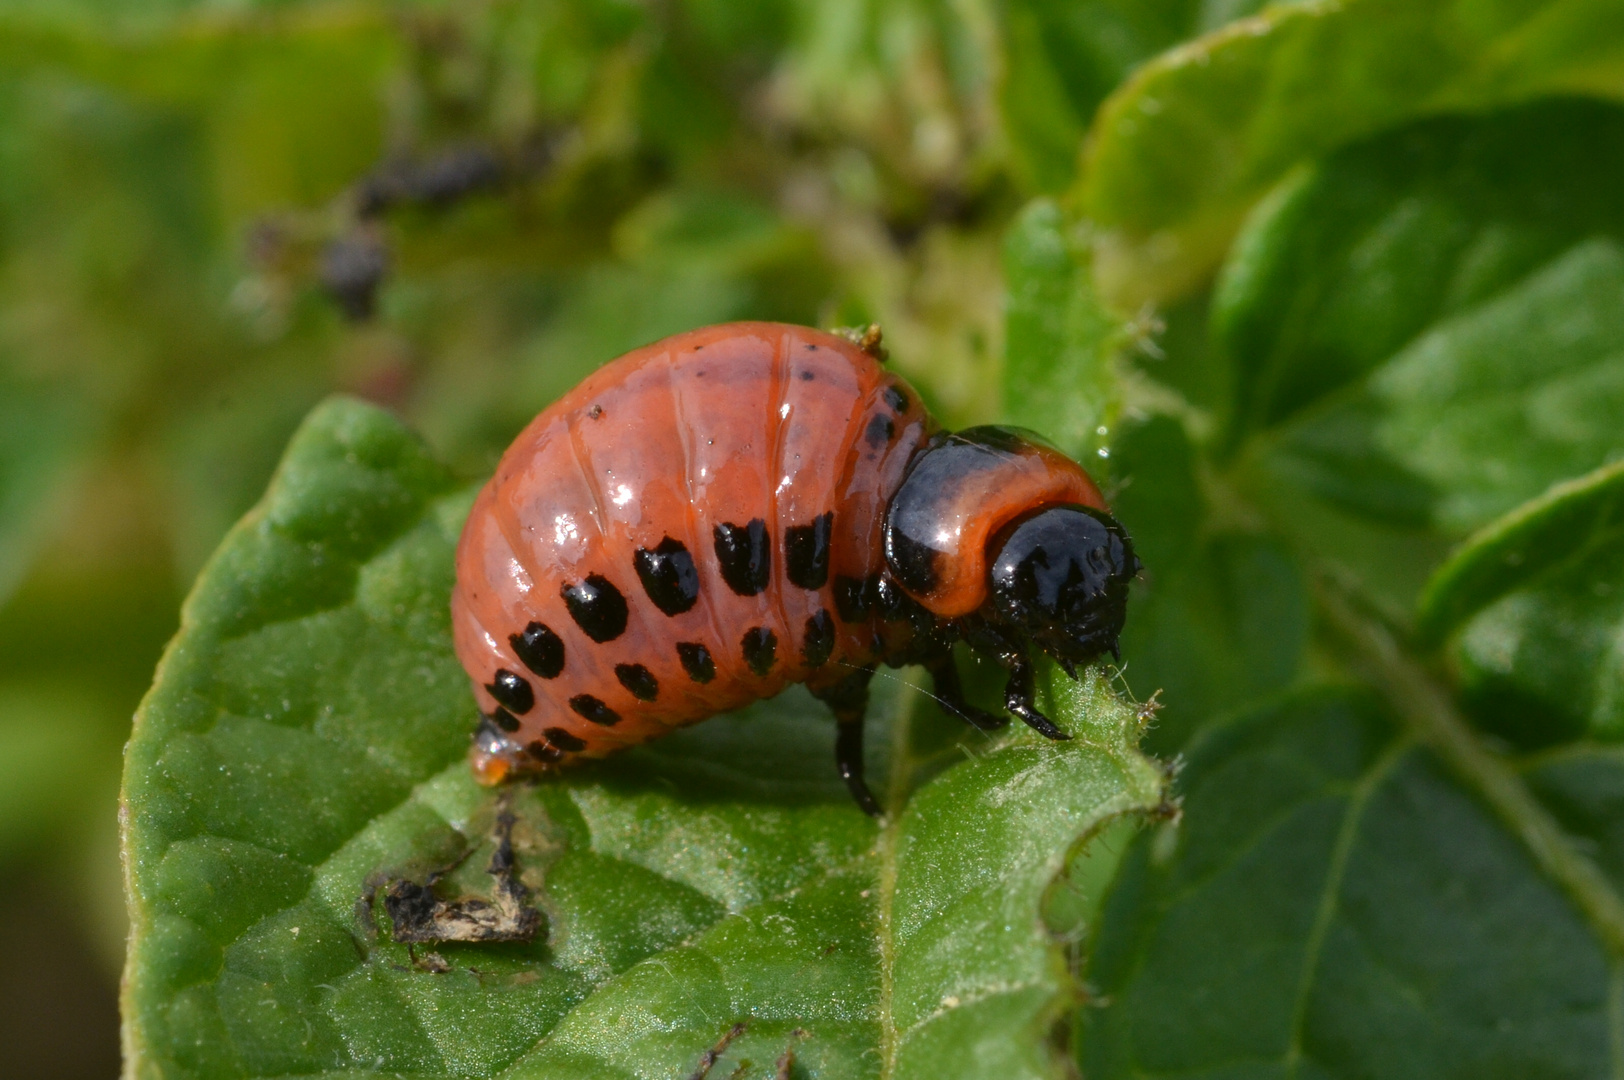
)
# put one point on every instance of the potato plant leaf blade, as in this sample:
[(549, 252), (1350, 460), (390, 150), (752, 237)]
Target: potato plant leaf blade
[(301, 752)]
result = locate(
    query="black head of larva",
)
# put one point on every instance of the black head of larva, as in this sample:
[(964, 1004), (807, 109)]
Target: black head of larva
[(1060, 578)]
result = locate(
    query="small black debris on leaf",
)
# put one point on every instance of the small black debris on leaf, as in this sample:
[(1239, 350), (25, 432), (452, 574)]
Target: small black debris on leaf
[(417, 915)]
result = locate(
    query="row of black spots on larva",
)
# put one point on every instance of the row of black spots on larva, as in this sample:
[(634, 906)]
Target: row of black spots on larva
[(671, 581), (744, 553)]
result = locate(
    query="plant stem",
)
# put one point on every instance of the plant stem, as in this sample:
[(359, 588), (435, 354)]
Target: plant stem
[(1428, 710)]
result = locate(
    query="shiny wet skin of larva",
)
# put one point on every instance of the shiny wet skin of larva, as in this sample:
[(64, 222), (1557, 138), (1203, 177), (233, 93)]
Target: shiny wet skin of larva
[(713, 517)]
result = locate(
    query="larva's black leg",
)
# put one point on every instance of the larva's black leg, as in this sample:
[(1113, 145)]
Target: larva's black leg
[(1018, 697), (848, 698), (849, 760), (944, 674)]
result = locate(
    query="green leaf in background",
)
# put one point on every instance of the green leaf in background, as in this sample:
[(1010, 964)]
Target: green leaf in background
[(46, 433), (1059, 343), (46, 732), (1542, 665), (219, 451), (1062, 59), (1541, 597), (1336, 903), (287, 104), (1485, 410), (305, 740), (1570, 521), (1349, 260), (1220, 617), (1425, 326), (1195, 137)]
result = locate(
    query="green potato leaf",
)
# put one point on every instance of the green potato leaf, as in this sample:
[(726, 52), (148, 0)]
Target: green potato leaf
[(1063, 59), (1425, 327), (1541, 665), (303, 745), (1485, 410), (1538, 598), (1352, 258), (1059, 343), (1568, 522), (1182, 149), (1219, 618), (1339, 902)]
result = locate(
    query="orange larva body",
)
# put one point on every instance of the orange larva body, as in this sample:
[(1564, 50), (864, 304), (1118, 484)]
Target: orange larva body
[(701, 523), (721, 427)]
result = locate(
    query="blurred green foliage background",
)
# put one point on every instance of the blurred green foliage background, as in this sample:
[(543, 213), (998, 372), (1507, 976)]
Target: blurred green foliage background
[(213, 215)]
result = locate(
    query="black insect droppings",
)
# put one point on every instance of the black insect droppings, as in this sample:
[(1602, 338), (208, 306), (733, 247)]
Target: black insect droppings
[(417, 915)]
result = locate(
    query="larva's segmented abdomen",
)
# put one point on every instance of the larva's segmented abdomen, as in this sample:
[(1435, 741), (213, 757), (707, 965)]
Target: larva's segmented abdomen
[(696, 526)]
